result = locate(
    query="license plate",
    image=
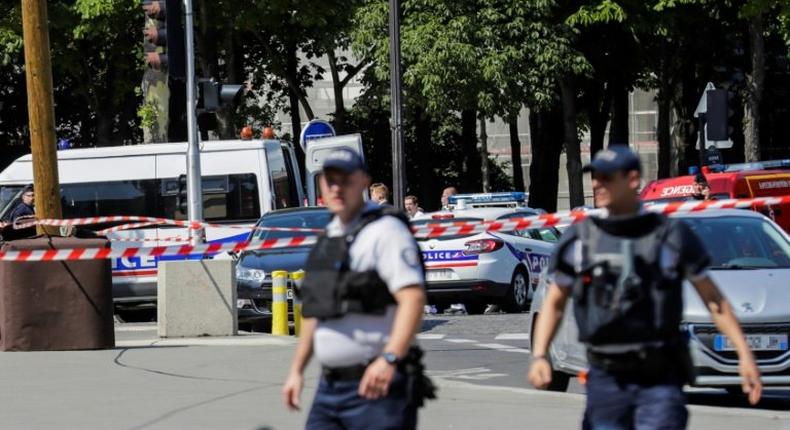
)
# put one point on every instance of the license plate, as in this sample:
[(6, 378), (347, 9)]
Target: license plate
[(439, 275), (757, 342)]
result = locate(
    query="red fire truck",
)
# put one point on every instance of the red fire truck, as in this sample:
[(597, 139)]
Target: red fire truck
[(735, 181)]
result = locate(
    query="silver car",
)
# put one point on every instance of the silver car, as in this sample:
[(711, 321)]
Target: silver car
[(751, 265)]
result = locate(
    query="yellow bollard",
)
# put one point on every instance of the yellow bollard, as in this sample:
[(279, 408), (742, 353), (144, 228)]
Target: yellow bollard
[(280, 303), (297, 278)]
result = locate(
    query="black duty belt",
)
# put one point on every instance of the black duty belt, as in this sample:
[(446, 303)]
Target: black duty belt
[(347, 373)]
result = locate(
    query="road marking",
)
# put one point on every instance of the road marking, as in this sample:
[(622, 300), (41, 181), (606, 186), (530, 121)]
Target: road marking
[(129, 328), (460, 340), (472, 374), (502, 347), (512, 336), (208, 341), (430, 336)]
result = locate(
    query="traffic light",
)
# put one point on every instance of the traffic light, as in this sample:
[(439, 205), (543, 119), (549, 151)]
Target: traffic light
[(212, 95), (718, 115), (182, 203), (164, 34)]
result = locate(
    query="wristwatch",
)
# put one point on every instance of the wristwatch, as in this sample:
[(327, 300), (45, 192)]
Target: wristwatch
[(390, 358)]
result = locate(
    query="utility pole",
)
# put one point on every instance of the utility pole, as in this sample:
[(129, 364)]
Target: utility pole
[(194, 185), (41, 111), (396, 122)]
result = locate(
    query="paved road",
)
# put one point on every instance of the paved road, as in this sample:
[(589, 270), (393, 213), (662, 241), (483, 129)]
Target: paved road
[(234, 383)]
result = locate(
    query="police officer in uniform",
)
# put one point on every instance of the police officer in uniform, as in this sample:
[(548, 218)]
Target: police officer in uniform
[(363, 299), (624, 271)]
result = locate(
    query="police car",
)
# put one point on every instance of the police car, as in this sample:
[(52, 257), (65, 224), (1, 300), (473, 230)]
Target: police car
[(486, 268), (750, 264)]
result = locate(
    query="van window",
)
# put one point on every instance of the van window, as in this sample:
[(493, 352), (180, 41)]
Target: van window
[(225, 198), (289, 167), (7, 197), (283, 185), (110, 198)]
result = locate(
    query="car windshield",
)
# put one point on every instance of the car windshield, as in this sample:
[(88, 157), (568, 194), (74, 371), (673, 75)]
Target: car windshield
[(7, 195), (425, 221), (735, 242), (314, 219)]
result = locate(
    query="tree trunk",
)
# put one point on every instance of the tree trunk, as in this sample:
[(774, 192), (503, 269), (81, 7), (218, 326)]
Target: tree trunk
[(618, 130), (754, 90), (206, 39), (422, 172), (515, 155), (599, 116), (471, 169), (483, 151), (544, 167), (663, 134), (337, 87), (571, 142), (664, 101), (293, 98)]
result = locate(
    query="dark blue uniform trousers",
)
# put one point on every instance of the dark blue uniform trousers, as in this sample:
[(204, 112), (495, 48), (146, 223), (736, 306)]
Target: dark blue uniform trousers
[(338, 406), (617, 404)]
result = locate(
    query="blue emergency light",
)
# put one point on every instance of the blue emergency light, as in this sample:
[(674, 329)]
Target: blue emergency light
[(757, 165), (481, 198)]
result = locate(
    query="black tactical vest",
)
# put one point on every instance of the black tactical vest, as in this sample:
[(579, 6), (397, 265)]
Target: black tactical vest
[(331, 289), (622, 296)]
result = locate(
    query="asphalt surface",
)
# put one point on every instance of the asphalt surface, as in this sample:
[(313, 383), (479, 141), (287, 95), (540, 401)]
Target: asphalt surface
[(234, 383)]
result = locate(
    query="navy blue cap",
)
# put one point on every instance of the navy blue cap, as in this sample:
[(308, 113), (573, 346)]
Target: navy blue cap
[(615, 158), (344, 159)]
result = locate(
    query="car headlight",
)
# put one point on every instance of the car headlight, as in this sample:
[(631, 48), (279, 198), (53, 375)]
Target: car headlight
[(252, 275)]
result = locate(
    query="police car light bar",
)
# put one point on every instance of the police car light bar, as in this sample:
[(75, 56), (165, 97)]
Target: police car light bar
[(478, 198)]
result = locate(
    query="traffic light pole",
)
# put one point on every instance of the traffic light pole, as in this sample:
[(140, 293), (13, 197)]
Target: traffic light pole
[(194, 185)]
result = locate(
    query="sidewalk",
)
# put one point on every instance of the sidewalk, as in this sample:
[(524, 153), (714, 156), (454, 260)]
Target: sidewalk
[(235, 384)]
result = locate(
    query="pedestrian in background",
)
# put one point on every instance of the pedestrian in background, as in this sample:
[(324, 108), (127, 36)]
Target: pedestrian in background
[(702, 188), (446, 193), (380, 193), (362, 296), (625, 271), (412, 207), (25, 208)]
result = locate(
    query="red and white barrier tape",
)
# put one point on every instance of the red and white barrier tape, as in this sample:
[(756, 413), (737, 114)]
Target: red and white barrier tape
[(566, 218), (141, 221), (156, 251), (428, 231)]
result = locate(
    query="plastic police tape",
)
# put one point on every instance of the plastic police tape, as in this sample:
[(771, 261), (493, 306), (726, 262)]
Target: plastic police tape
[(142, 221), (423, 232)]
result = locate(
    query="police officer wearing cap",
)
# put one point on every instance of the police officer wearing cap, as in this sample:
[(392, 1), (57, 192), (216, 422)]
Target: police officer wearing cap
[(624, 270), (363, 299)]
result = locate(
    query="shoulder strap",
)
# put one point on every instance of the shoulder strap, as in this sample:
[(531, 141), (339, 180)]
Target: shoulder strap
[(374, 215)]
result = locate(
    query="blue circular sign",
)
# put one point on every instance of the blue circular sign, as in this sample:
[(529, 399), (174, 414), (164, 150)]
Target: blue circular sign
[(316, 129)]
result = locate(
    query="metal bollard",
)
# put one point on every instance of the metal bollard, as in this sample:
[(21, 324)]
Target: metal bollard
[(280, 303), (297, 278)]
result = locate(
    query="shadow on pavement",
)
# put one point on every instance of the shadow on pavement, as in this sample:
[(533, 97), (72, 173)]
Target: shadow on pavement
[(431, 324)]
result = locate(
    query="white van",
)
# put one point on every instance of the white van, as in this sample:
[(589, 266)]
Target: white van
[(241, 181)]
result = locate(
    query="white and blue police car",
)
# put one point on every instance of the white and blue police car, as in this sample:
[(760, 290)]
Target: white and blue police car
[(490, 267)]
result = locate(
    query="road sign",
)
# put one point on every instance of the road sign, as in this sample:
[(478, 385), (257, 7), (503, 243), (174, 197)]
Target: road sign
[(315, 129), (721, 144), (702, 105)]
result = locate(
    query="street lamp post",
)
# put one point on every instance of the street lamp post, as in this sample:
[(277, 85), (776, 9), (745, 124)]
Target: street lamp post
[(396, 124), (194, 185)]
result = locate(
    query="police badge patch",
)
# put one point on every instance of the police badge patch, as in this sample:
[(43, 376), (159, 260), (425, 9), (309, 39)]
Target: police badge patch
[(410, 257)]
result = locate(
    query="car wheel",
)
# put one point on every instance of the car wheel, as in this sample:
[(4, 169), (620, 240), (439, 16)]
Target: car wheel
[(516, 299)]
